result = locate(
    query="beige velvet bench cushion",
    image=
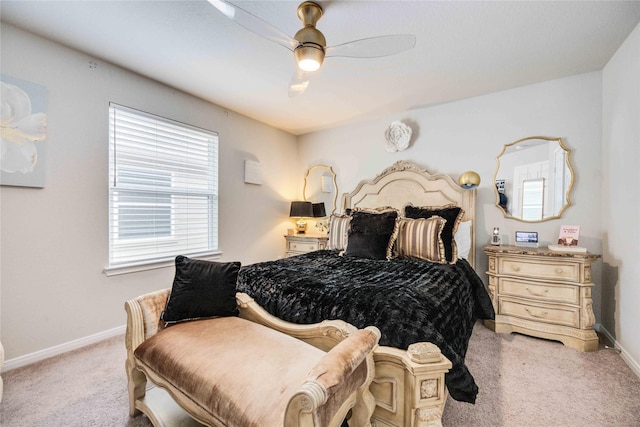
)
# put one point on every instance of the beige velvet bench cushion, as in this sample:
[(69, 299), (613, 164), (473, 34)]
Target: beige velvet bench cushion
[(231, 371)]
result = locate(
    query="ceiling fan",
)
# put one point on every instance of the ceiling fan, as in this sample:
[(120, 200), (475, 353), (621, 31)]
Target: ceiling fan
[(309, 45)]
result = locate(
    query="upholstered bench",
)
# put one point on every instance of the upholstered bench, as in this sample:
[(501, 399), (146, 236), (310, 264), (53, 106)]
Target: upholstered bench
[(247, 370)]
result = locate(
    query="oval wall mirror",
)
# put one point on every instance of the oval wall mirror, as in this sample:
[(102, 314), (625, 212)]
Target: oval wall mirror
[(533, 179), (320, 187)]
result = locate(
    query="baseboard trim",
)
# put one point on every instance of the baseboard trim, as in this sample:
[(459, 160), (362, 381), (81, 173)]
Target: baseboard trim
[(633, 364), (37, 356)]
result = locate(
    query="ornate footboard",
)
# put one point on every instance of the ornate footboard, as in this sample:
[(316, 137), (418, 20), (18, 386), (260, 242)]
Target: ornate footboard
[(407, 389), (408, 386)]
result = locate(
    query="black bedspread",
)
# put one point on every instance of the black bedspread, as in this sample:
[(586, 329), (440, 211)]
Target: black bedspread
[(408, 300)]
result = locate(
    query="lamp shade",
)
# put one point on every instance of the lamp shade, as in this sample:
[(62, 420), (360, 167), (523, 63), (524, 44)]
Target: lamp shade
[(318, 210), (301, 209), (469, 180)]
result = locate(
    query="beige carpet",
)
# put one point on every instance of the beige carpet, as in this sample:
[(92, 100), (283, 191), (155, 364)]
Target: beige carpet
[(526, 381), (523, 382)]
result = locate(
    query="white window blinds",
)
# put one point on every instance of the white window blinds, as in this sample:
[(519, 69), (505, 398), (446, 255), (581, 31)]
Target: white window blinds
[(163, 188)]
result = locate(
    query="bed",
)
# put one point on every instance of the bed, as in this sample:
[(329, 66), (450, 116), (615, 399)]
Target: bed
[(425, 310)]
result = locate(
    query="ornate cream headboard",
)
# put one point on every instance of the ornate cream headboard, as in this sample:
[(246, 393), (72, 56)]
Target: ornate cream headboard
[(403, 183)]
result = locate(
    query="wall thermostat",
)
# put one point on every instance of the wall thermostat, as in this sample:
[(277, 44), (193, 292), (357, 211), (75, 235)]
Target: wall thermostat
[(527, 239)]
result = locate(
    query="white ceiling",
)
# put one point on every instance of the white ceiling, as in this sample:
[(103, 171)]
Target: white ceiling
[(463, 49)]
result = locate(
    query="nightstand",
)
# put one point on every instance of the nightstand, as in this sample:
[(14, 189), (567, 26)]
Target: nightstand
[(543, 293), (302, 243)]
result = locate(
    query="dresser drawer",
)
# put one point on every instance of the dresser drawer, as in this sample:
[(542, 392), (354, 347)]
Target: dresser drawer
[(557, 315), (543, 269), (539, 291), (302, 246)]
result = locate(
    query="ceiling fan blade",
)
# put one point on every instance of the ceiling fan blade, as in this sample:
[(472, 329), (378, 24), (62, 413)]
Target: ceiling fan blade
[(373, 47), (254, 24), (299, 83)]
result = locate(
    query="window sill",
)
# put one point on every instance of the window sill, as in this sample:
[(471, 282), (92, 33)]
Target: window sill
[(153, 265)]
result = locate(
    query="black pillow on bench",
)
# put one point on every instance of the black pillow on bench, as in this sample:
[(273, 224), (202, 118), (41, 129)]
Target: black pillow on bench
[(202, 289)]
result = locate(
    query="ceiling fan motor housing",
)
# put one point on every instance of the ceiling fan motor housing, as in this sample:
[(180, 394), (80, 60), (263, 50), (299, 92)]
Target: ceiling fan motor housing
[(309, 54), (309, 13)]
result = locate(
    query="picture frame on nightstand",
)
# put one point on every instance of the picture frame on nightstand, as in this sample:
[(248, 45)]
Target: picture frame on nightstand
[(527, 239)]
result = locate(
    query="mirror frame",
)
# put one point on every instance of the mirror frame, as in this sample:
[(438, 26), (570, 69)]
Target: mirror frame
[(569, 188), (335, 185)]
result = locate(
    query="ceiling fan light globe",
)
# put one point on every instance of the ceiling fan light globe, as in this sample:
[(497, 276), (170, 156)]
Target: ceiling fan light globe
[(308, 57), (308, 65)]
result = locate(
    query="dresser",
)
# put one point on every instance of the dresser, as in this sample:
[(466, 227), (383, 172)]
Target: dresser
[(543, 293), (302, 243)]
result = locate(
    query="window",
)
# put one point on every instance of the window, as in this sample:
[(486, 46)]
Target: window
[(163, 189), (532, 199)]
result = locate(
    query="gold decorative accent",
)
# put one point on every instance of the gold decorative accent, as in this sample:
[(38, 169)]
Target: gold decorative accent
[(305, 196), (562, 153), (469, 180), (301, 226)]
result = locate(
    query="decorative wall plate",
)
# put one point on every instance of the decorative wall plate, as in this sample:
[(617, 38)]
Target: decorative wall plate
[(398, 136)]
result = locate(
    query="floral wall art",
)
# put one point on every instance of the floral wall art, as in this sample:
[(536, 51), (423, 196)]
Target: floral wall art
[(23, 132)]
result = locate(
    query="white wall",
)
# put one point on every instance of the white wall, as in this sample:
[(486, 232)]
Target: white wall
[(598, 117), (468, 135), (54, 240), (621, 197)]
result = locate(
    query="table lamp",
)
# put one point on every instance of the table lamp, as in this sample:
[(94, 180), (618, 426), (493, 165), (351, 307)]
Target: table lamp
[(301, 210), (319, 210)]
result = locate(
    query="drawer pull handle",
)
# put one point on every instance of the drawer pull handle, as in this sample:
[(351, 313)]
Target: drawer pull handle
[(293, 246), (515, 268), (540, 314), (537, 293), (559, 270)]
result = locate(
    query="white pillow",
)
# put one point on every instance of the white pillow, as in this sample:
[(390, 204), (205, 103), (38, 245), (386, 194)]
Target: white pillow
[(463, 239)]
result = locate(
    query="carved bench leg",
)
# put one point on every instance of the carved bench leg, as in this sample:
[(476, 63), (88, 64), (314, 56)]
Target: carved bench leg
[(136, 380), (137, 384), (362, 411)]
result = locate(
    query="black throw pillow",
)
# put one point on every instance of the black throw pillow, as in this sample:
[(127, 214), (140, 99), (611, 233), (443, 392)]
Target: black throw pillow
[(370, 233), (202, 289)]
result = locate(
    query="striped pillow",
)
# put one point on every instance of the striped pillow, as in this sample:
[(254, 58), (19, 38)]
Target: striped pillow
[(420, 238), (451, 213), (338, 231)]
